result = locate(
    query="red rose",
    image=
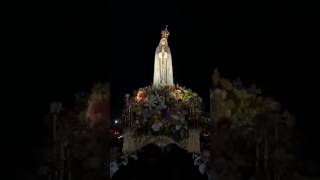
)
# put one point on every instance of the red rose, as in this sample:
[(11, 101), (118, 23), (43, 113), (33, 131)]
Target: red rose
[(141, 96)]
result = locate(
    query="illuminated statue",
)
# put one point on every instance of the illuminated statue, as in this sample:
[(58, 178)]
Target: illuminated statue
[(163, 73)]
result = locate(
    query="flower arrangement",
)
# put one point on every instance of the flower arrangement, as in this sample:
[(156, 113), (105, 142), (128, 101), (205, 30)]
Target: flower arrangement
[(167, 111)]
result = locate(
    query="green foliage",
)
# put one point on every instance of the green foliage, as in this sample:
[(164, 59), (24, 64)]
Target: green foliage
[(246, 105), (258, 125), (75, 140), (231, 101)]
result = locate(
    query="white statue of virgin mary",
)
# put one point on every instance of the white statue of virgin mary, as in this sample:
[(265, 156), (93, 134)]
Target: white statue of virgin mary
[(163, 73)]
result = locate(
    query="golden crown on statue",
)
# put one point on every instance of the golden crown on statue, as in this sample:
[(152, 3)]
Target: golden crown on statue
[(165, 33)]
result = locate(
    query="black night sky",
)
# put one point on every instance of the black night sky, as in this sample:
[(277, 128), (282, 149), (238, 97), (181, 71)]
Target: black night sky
[(72, 44)]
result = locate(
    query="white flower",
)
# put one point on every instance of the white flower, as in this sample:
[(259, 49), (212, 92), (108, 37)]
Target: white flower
[(114, 167), (175, 117), (134, 156), (156, 102), (205, 155), (124, 160), (197, 160), (156, 126), (202, 168)]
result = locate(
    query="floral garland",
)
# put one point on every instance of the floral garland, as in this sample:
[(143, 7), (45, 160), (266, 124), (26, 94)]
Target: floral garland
[(166, 111)]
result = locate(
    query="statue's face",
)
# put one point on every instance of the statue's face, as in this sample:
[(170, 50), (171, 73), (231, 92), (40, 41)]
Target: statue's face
[(163, 42)]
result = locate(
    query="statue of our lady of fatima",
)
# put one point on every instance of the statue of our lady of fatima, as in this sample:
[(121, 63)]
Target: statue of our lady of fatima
[(163, 73)]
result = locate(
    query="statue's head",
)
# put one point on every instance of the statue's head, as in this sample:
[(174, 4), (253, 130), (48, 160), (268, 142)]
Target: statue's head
[(164, 37), (164, 42)]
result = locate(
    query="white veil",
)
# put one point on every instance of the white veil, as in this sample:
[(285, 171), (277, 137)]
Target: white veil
[(157, 81)]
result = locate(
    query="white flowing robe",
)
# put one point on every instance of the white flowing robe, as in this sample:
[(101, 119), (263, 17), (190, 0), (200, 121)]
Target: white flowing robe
[(163, 73)]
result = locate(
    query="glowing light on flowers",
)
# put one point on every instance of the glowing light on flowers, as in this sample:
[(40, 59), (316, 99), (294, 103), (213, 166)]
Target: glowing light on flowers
[(165, 115), (141, 96)]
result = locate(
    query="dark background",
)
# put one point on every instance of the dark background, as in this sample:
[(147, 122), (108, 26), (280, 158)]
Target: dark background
[(268, 44), (67, 46)]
